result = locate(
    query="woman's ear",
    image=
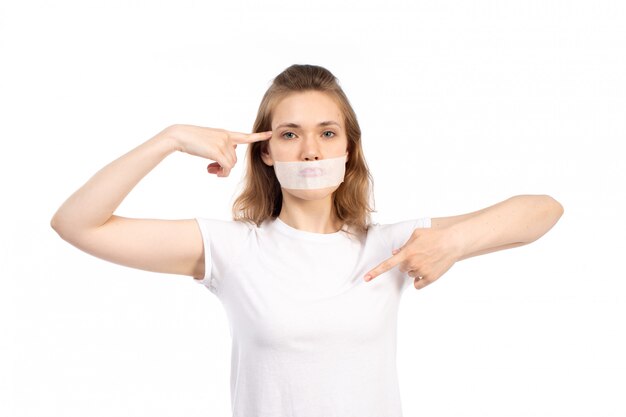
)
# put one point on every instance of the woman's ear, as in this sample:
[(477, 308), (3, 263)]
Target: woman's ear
[(265, 155)]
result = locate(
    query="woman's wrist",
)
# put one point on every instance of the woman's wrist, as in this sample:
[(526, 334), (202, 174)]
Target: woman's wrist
[(169, 137), (458, 241)]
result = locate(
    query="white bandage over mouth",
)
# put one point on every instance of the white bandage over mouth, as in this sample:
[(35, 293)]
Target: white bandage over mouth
[(309, 175)]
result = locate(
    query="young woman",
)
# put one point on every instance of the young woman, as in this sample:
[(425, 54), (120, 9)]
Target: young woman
[(311, 336)]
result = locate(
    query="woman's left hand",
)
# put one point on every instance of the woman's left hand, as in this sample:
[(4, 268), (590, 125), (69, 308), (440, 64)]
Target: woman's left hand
[(426, 256)]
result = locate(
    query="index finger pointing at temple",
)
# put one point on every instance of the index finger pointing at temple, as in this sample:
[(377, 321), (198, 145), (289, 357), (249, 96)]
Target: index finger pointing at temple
[(238, 137)]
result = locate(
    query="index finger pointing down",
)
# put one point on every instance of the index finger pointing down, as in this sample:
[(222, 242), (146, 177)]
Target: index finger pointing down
[(385, 266)]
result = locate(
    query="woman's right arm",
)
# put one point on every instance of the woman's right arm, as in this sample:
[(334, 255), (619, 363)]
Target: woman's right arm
[(86, 218)]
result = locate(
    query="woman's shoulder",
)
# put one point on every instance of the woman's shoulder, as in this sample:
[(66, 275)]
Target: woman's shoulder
[(398, 229), (418, 222), (225, 226)]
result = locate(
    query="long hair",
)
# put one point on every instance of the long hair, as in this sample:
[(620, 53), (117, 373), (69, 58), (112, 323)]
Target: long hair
[(261, 197)]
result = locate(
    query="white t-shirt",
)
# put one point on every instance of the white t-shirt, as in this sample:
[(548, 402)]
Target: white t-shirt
[(310, 338)]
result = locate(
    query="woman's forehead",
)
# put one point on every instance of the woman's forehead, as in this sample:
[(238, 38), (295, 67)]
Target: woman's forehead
[(307, 109), (297, 126)]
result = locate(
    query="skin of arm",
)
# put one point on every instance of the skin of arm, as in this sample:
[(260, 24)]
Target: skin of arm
[(93, 204), (517, 221), (86, 218), (431, 252)]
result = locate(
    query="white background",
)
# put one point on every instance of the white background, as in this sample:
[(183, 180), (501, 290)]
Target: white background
[(462, 104)]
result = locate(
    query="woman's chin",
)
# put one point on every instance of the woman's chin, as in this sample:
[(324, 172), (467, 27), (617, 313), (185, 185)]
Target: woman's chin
[(314, 194)]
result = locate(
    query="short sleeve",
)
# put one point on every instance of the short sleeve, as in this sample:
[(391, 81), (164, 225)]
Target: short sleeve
[(223, 241), (397, 234)]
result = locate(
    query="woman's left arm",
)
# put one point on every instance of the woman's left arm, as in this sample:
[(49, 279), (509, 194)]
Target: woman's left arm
[(431, 252), (517, 221)]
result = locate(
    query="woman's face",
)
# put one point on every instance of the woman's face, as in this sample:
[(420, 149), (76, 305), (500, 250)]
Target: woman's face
[(307, 126)]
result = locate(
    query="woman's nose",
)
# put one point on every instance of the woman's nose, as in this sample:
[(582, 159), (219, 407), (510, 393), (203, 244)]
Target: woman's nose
[(311, 149)]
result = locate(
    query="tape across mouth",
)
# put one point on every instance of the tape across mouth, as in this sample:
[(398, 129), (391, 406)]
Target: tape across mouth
[(310, 172)]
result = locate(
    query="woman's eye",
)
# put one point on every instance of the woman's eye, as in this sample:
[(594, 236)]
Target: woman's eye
[(328, 134)]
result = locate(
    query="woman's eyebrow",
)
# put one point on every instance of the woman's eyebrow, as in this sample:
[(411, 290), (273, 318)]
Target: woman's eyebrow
[(295, 125)]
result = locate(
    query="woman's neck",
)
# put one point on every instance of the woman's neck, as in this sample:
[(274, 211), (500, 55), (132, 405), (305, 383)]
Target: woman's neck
[(316, 216)]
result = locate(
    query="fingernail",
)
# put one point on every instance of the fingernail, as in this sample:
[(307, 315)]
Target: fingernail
[(368, 277)]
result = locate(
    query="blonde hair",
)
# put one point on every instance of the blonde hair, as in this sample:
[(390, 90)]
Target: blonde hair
[(261, 197)]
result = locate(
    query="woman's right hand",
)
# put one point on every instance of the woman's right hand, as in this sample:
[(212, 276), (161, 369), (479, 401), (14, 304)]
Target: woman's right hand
[(216, 144)]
